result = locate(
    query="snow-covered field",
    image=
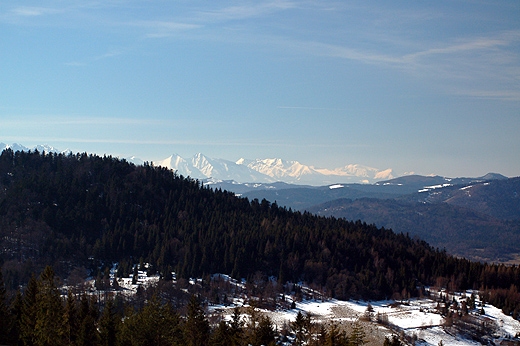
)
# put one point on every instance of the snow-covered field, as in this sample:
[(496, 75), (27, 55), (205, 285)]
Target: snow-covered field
[(417, 319)]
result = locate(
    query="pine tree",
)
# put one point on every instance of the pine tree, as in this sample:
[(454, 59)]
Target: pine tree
[(196, 328), (222, 335), (16, 314), (5, 316), (108, 324), (71, 319), (28, 313), (301, 328), (357, 336), (49, 328), (163, 322), (128, 327), (264, 333), (336, 337), (236, 328), (88, 313), (115, 284)]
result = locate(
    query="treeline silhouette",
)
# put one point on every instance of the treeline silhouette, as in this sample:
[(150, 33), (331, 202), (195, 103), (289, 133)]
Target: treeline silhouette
[(41, 316), (79, 210)]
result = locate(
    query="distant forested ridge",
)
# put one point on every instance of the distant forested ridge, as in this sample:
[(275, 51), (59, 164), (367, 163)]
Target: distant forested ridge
[(479, 220), (72, 210)]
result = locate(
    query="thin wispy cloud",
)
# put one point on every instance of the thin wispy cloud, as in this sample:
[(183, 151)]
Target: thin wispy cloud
[(480, 60), (111, 53), (243, 73), (27, 11), (478, 44), (162, 28), (311, 108), (35, 120), (227, 143), (28, 15), (345, 52), (506, 95), (108, 121), (75, 63), (244, 11), (470, 45)]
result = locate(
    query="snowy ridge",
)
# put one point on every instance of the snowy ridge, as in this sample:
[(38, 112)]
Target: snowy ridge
[(183, 167), (280, 169), (358, 171), (226, 170), (268, 170), (271, 170), (40, 147), (295, 172)]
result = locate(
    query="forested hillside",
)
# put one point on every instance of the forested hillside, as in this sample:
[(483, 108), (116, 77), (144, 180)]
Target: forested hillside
[(460, 230), (82, 210)]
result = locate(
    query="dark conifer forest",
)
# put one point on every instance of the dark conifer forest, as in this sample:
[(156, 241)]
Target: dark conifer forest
[(85, 211)]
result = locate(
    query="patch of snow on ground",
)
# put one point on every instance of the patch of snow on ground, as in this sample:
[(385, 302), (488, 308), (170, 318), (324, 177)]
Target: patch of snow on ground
[(415, 317)]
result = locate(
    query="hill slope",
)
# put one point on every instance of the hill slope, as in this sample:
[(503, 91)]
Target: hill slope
[(477, 221), (74, 210)]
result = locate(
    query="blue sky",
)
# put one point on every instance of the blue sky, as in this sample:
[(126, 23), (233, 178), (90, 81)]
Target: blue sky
[(424, 87)]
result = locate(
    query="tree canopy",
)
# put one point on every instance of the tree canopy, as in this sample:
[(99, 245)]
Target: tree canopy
[(84, 210)]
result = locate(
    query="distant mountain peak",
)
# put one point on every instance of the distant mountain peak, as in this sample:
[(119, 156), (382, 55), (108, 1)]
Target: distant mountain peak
[(280, 169), (46, 148), (267, 170), (177, 163), (386, 174), (494, 176), (40, 148)]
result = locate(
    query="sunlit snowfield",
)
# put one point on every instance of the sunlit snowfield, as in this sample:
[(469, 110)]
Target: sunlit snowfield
[(418, 319)]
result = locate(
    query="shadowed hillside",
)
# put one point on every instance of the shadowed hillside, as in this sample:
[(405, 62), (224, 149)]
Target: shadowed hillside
[(79, 210)]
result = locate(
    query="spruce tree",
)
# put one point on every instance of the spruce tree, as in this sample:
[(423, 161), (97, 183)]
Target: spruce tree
[(155, 324), (221, 335), (301, 329), (264, 333), (28, 313), (88, 314), (71, 319), (16, 314), (5, 318), (336, 337), (196, 327), (108, 324), (357, 336), (159, 324), (236, 328), (49, 328)]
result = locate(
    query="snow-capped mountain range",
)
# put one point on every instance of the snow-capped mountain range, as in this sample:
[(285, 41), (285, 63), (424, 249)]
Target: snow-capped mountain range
[(251, 171), (41, 148), (270, 170)]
